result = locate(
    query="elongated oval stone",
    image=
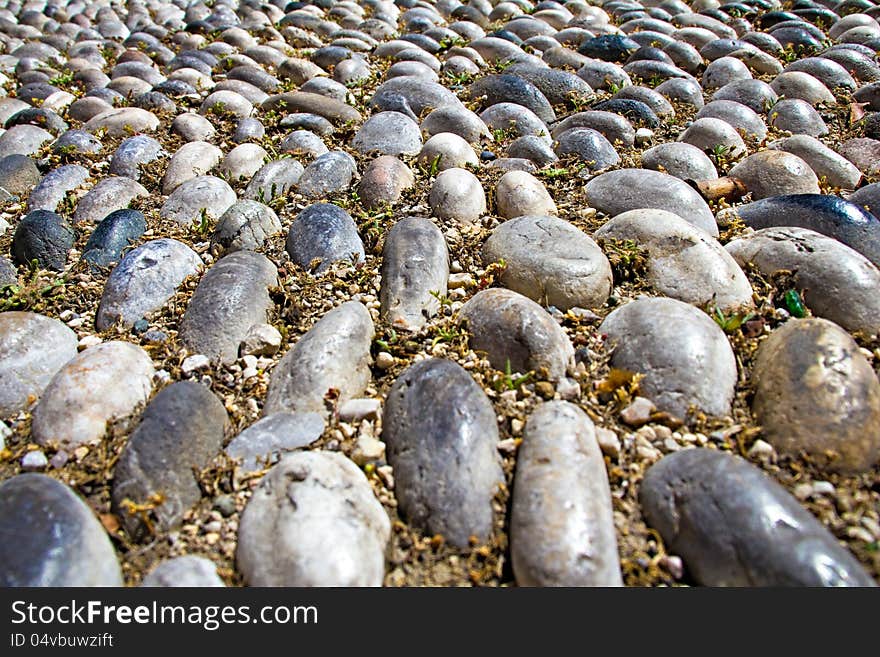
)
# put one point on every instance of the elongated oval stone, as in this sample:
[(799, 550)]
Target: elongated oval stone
[(333, 355), (517, 334), (415, 271), (441, 438), (616, 192), (816, 394), (683, 261), (50, 537), (232, 296), (144, 280), (829, 215), (32, 349), (837, 282), (266, 439), (561, 526), (735, 526), (313, 521), (181, 430), (550, 261), (684, 355), (102, 383), (322, 234)]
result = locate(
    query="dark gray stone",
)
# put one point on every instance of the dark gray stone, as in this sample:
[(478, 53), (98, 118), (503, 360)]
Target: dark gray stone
[(734, 526), (50, 537), (45, 237), (132, 153), (231, 297), (181, 430), (326, 232), (588, 145), (419, 93), (18, 175), (504, 88), (415, 271), (441, 438), (77, 142)]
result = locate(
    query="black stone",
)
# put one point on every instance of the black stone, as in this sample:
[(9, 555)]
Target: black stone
[(634, 110), (43, 236)]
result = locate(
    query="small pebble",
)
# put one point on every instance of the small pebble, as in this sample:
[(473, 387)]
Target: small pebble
[(638, 412), (35, 460), (384, 360), (195, 363)]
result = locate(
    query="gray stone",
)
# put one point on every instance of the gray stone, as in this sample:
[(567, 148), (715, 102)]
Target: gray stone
[(614, 127), (248, 129), (754, 94), (266, 440), (803, 86), (331, 109), (195, 158), (192, 127), (187, 571), (231, 297), (684, 262), (121, 122), (415, 270), (601, 75), (519, 193), (743, 119), (440, 434), (50, 537), (388, 133), (588, 145), (680, 160), (181, 430), (457, 120), (226, 103), (18, 175), (243, 162), (203, 196), (505, 88), (333, 354), (514, 120), (52, 189), (103, 383), (458, 195), (550, 261), (32, 350), (797, 117), (326, 233), (868, 198), (618, 191), (559, 87), (420, 94), (562, 527), (384, 181), (735, 526), (109, 195), (77, 142), (303, 144), (682, 89), (723, 71), (132, 153), (829, 73), (8, 273), (274, 179), (246, 225), (825, 163), (331, 172), (23, 140), (313, 521), (771, 173), (446, 150), (684, 355), (517, 334), (144, 280), (816, 394), (837, 282), (533, 148), (714, 135), (45, 237)]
